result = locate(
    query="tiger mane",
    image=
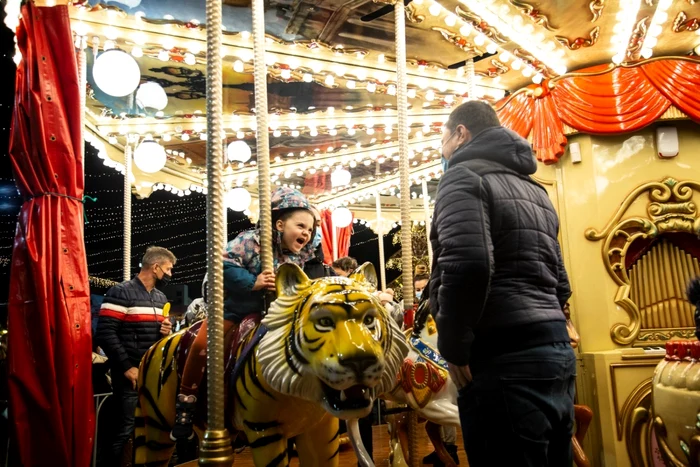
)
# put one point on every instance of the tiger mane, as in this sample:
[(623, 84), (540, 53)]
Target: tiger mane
[(300, 381)]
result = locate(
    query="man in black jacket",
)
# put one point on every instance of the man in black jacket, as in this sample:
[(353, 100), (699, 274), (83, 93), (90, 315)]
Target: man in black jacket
[(498, 289), (131, 321)]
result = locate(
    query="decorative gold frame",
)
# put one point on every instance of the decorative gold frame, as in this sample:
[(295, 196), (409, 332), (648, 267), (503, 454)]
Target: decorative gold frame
[(670, 209)]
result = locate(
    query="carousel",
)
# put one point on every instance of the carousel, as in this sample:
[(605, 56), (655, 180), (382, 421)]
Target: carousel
[(345, 101)]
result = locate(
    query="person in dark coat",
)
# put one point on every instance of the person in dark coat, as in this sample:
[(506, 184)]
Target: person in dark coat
[(498, 287)]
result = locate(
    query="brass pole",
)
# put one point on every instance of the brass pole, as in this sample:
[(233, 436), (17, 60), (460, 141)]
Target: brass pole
[(262, 135), (215, 448), (404, 168)]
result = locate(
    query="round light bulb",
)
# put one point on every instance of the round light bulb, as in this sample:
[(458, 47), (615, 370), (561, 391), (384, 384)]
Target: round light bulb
[(150, 156), (151, 95), (116, 73), (238, 151), (340, 177), (237, 199), (342, 217)]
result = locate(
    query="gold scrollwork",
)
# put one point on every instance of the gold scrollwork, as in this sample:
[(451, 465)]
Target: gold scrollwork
[(580, 41), (497, 69), (530, 59), (637, 436), (671, 210), (480, 25), (412, 14), (534, 14), (457, 40), (657, 336), (596, 7), (682, 23)]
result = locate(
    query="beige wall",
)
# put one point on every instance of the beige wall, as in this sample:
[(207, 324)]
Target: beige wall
[(588, 195)]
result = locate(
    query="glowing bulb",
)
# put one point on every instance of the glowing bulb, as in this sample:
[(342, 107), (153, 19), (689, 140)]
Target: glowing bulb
[(480, 40), (330, 81), (435, 9), (371, 86), (450, 20), (491, 48), (307, 78), (465, 30)]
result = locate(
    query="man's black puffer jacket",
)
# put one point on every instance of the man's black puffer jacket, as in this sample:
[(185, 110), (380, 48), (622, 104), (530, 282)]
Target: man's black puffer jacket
[(129, 323), (498, 282)]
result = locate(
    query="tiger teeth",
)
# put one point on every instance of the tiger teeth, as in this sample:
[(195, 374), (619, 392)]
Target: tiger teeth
[(343, 397)]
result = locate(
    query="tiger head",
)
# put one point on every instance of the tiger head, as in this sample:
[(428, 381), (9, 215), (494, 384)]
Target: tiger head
[(330, 341)]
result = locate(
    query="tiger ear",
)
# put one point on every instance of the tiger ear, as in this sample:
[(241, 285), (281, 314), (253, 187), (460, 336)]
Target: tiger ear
[(366, 275), (288, 278)]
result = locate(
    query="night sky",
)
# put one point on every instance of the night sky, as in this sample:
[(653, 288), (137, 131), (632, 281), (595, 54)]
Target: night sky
[(177, 223)]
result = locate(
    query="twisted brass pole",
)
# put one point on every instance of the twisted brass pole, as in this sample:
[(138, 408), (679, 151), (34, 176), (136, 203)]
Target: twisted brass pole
[(127, 209), (262, 135), (405, 184), (215, 448)]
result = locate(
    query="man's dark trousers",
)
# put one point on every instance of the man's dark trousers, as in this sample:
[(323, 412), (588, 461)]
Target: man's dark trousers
[(519, 408)]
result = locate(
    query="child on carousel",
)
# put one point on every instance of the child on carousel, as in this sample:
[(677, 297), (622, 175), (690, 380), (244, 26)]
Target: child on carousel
[(245, 284)]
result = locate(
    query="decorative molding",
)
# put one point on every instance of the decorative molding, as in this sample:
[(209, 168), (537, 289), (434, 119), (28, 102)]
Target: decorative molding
[(529, 59), (657, 337), (497, 69), (580, 42), (634, 47), (412, 14), (480, 25), (535, 15), (596, 7), (670, 209), (458, 41), (681, 23), (636, 398)]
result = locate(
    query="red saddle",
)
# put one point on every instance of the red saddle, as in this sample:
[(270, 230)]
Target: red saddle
[(232, 341)]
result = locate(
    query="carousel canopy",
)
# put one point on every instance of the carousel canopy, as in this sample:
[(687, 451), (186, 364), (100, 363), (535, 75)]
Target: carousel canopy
[(332, 82)]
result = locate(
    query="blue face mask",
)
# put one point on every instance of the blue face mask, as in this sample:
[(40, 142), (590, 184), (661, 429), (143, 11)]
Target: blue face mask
[(445, 164), (318, 238), (419, 294)]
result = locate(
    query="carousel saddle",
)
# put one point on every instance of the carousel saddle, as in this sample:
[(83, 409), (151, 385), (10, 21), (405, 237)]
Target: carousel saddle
[(233, 339)]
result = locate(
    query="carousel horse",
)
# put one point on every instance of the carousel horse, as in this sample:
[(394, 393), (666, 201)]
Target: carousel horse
[(426, 387), (323, 351)]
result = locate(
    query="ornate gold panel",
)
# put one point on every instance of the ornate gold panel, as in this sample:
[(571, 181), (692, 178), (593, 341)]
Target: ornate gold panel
[(652, 289)]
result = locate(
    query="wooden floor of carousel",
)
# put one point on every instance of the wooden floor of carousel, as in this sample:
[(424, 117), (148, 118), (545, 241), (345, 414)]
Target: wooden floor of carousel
[(347, 456)]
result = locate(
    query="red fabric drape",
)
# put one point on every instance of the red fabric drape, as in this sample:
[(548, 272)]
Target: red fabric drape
[(344, 235), (50, 346), (603, 102), (327, 236)]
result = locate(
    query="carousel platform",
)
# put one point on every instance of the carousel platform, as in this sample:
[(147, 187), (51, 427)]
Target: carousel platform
[(347, 456)]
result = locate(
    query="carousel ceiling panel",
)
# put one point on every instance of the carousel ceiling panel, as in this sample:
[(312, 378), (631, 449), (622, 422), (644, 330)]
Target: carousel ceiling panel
[(332, 82)]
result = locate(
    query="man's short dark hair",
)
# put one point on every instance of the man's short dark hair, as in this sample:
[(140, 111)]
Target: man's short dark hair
[(157, 255), (346, 264), (476, 116), (421, 277)]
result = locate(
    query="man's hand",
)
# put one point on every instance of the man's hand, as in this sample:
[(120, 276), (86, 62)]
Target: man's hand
[(165, 327), (132, 374), (266, 280), (461, 375)]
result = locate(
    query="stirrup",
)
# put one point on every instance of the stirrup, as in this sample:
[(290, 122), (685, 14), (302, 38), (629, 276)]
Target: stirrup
[(184, 417)]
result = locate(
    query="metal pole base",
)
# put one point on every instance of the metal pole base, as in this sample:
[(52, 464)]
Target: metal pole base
[(215, 449)]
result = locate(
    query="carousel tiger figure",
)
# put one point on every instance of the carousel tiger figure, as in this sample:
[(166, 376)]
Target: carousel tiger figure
[(325, 350)]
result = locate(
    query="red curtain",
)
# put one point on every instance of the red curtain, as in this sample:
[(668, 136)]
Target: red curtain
[(50, 345), (344, 235), (602, 101)]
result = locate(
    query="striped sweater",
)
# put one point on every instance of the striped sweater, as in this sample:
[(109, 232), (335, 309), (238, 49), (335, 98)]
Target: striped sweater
[(129, 322)]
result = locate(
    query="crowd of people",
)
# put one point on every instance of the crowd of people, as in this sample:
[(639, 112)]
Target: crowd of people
[(498, 290)]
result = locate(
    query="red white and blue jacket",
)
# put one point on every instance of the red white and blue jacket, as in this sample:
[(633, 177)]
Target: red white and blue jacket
[(129, 322)]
